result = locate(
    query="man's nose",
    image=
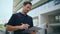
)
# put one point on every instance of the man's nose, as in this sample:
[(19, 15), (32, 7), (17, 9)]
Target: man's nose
[(28, 9)]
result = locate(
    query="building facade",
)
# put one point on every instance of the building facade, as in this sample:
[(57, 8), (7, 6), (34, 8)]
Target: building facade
[(45, 13)]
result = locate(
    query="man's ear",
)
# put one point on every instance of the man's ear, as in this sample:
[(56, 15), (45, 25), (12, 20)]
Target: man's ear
[(22, 5)]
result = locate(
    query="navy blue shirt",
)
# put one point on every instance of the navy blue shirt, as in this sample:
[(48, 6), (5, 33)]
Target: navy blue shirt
[(19, 18)]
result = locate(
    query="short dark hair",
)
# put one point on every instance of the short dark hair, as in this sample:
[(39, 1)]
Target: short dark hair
[(27, 2)]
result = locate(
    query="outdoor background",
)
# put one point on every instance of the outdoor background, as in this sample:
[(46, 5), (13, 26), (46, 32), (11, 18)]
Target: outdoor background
[(45, 14)]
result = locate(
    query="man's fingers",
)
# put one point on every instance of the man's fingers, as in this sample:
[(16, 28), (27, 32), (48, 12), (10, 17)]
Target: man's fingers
[(27, 25), (21, 23)]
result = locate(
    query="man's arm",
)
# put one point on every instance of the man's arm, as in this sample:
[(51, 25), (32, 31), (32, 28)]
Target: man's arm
[(10, 25), (31, 24), (13, 28)]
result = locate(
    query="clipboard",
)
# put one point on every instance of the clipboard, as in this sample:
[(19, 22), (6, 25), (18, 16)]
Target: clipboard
[(34, 28)]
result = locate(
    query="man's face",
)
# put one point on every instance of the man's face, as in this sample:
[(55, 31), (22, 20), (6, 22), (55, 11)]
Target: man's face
[(26, 8)]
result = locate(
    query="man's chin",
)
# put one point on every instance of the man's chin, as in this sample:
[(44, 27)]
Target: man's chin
[(26, 12)]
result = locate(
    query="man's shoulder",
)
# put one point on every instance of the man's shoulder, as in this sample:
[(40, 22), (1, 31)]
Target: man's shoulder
[(16, 14), (29, 16)]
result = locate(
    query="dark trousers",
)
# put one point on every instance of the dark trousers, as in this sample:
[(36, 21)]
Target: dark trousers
[(45, 31)]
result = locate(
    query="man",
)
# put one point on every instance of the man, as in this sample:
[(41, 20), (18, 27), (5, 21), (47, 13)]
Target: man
[(20, 21)]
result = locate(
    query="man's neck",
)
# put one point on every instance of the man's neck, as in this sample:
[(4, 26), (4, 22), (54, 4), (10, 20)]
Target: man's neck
[(23, 13)]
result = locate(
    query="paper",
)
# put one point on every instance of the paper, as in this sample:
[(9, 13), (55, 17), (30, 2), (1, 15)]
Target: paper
[(31, 29), (34, 28)]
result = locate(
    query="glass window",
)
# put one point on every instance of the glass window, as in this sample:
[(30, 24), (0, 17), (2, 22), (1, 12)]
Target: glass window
[(56, 18), (59, 18), (57, 2)]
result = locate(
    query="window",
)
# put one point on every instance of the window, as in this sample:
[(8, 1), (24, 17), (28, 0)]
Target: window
[(54, 18), (57, 2), (59, 18)]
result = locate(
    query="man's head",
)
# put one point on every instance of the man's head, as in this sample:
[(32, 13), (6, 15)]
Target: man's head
[(26, 6)]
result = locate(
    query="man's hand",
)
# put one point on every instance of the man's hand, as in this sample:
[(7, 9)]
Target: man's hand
[(32, 32), (24, 26), (13, 28)]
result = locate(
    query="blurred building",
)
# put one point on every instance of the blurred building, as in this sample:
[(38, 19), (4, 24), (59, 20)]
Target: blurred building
[(43, 12)]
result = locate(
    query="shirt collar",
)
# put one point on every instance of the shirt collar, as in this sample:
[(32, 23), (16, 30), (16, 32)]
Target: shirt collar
[(22, 14)]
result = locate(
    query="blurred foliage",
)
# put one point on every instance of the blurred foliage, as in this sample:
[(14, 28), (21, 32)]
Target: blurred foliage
[(2, 27)]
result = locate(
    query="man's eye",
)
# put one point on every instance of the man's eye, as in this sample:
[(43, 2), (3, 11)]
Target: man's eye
[(27, 7)]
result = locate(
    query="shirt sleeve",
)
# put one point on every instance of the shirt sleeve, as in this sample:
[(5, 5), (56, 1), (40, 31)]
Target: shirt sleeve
[(31, 23), (12, 20)]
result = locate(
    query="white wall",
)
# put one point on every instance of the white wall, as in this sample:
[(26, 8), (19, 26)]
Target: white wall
[(35, 22)]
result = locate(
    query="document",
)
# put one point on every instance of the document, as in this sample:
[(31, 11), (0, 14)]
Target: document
[(34, 28)]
